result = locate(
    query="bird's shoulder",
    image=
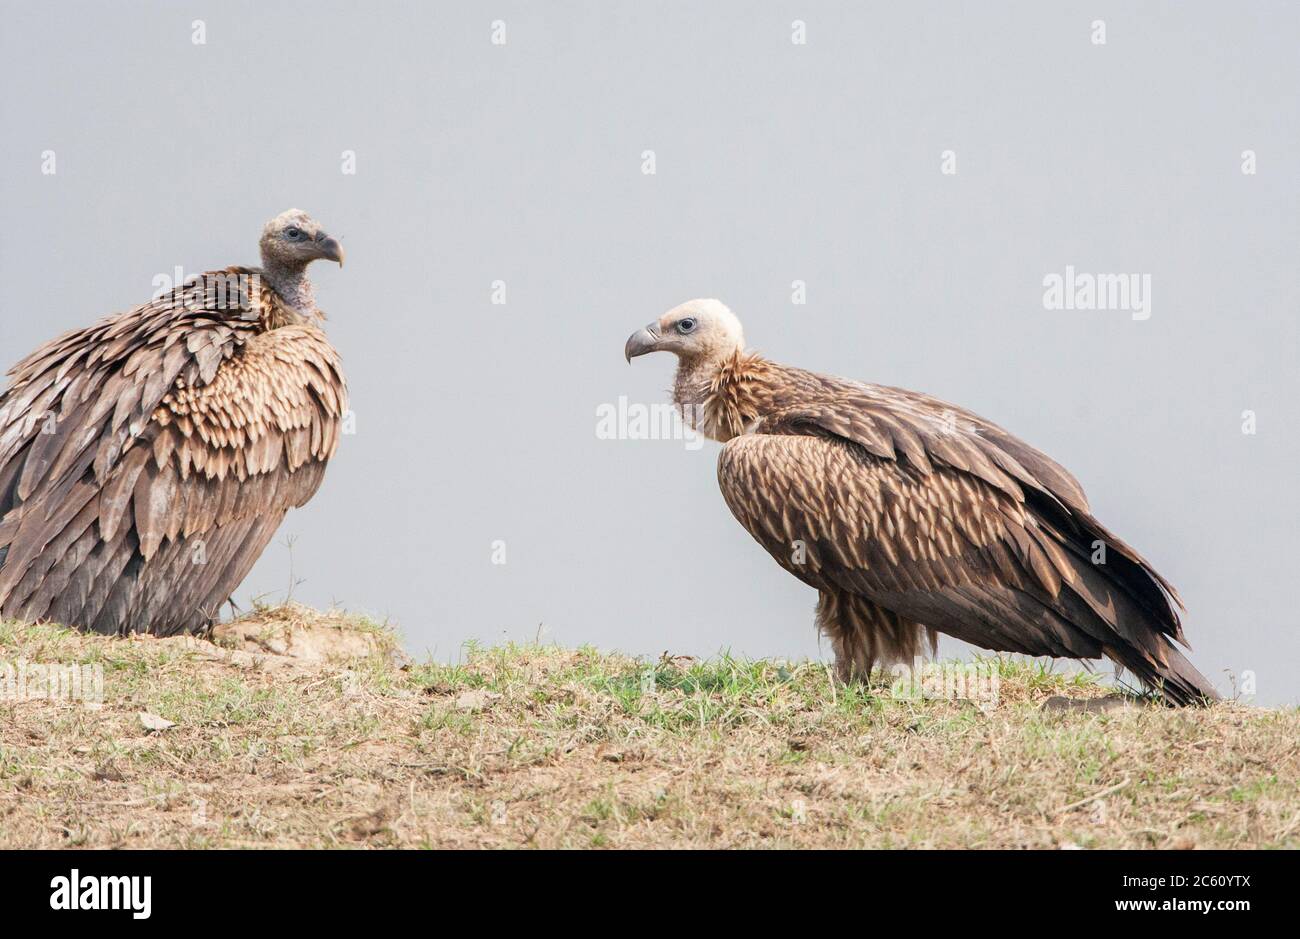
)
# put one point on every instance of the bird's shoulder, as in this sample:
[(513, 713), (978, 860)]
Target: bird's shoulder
[(912, 427), (203, 358), (225, 305)]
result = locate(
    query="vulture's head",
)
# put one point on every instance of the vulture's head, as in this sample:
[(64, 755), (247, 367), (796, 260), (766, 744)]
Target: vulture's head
[(698, 330), (294, 239)]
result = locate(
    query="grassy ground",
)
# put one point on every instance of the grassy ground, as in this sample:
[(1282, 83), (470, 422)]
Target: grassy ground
[(203, 745)]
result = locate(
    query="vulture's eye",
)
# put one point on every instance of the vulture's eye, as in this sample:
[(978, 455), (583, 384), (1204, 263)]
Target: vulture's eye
[(686, 326), (292, 232)]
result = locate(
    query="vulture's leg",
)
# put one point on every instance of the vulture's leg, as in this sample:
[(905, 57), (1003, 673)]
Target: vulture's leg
[(864, 635)]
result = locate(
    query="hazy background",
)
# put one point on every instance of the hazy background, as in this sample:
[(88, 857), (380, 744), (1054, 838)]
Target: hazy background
[(775, 162)]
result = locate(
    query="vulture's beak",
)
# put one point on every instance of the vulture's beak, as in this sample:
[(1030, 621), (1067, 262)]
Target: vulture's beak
[(329, 248), (641, 342)]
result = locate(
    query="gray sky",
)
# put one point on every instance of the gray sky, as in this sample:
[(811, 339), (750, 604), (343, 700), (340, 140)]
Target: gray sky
[(775, 162)]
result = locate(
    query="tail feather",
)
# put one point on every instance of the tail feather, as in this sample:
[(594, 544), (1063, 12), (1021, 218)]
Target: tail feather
[(1176, 680)]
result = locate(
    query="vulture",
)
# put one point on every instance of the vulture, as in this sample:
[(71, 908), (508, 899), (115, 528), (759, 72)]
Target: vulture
[(913, 517), (147, 460)]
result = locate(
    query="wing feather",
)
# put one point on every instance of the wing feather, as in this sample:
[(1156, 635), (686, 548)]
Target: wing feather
[(944, 548)]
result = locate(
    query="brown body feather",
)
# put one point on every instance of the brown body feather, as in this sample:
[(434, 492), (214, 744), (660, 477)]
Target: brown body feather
[(911, 516), (147, 460)]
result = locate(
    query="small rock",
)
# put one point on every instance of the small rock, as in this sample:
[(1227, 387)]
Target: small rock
[(154, 722), (475, 700)]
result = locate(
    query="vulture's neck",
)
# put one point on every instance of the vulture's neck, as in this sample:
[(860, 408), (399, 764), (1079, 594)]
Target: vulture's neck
[(294, 291), (722, 398)]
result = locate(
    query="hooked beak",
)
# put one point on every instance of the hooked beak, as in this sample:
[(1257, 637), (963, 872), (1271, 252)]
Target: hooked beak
[(329, 248), (641, 342)]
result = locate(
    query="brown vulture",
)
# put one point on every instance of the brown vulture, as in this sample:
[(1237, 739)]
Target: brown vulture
[(146, 461), (913, 517)]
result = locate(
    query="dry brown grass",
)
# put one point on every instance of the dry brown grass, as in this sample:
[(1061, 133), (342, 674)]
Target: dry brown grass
[(548, 747)]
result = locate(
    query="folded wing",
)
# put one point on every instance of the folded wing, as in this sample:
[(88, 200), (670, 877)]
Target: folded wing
[(940, 517), (146, 461)]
